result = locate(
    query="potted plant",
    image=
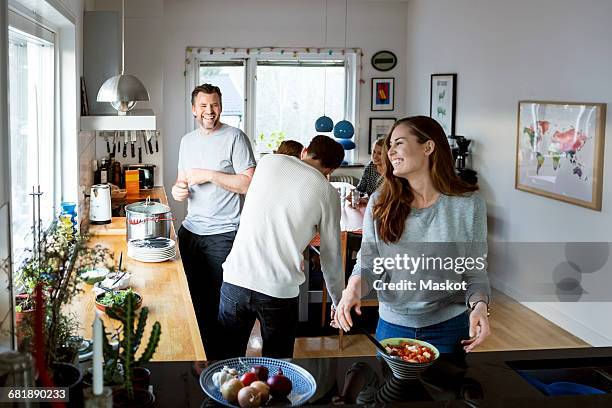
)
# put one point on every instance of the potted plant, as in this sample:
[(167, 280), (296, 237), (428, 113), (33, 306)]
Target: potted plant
[(123, 358), (52, 273)]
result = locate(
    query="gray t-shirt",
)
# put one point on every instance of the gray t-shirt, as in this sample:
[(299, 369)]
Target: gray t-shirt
[(213, 209), (440, 247)]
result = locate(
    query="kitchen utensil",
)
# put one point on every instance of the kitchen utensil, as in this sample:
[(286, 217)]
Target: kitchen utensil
[(107, 143), (114, 145), (149, 136), (379, 346), (145, 219), (304, 384), (120, 261), (156, 138), (118, 137), (125, 141), (140, 150), (133, 140), (100, 204)]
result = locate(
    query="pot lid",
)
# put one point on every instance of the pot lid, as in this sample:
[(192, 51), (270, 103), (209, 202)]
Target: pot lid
[(148, 207)]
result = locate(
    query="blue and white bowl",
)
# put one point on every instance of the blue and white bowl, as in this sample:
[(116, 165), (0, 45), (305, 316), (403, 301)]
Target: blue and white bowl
[(403, 369), (304, 385)]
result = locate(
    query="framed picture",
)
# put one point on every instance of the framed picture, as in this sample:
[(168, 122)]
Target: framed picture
[(560, 151), (442, 101), (379, 127), (383, 94)]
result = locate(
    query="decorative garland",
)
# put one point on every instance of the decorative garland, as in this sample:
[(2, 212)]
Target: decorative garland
[(295, 52)]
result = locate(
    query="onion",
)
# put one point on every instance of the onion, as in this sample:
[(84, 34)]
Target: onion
[(261, 371), (249, 397), (263, 389), (280, 385), (230, 389)]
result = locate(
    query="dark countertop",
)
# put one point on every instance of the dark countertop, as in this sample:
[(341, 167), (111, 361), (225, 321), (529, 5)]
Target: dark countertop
[(478, 380)]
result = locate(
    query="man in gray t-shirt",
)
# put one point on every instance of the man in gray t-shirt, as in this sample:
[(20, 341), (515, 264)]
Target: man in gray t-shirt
[(215, 166)]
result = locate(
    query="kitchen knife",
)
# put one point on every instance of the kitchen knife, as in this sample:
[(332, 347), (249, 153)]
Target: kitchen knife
[(140, 150), (107, 144), (114, 145), (156, 139), (132, 140), (149, 141), (125, 140)]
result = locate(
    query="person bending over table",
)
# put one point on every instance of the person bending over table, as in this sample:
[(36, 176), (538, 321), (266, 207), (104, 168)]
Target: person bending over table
[(424, 246), (288, 202)]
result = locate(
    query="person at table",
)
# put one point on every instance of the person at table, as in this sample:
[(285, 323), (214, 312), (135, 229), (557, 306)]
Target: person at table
[(215, 167), (288, 203), (371, 178), (290, 148), (423, 210)]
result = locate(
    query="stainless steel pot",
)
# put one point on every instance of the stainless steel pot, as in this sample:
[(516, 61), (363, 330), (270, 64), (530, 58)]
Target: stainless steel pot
[(146, 219)]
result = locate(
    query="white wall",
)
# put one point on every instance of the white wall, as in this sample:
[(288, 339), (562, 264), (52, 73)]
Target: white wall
[(158, 32), (503, 52)]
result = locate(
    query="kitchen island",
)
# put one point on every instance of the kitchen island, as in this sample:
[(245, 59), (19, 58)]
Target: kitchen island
[(163, 287), (487, 379)]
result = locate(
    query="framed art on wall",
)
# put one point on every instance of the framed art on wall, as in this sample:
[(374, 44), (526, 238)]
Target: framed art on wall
[(383, 94), (559, 151), (379, 127), (442, 96)]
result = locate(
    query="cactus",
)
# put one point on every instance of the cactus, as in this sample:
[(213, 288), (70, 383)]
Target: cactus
[(131, 338)]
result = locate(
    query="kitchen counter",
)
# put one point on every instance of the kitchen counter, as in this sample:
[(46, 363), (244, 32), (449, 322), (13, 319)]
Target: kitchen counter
[(486, 379), (163, 287)]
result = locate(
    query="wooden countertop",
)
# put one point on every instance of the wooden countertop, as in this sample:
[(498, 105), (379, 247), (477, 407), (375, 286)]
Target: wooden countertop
[(163, 287)]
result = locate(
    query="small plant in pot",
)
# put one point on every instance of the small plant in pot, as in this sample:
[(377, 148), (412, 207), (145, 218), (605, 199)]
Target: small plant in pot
[(134, 392), (50, 279)]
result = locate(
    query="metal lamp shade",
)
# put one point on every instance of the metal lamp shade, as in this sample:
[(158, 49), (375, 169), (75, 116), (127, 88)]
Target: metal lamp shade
[(123, 91)]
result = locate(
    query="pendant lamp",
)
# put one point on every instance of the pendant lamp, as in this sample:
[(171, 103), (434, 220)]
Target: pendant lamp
[(324, 123), (124, 90)]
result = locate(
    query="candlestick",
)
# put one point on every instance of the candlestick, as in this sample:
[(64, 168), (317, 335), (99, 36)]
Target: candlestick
[(98, 360)]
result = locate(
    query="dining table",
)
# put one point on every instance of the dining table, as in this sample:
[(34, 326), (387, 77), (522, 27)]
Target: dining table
[(351, 222)]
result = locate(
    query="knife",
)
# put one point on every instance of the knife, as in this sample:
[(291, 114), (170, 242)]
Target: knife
[(140, 150), (132, 140), (149, 141), (125, 140), (156, 138)]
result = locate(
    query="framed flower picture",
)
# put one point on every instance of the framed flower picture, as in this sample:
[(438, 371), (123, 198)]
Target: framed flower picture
[(560, 151), (379, 127), (383, 94), (442, 97)]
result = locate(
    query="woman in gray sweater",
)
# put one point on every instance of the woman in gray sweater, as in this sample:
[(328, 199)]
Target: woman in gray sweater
[(424, 246)]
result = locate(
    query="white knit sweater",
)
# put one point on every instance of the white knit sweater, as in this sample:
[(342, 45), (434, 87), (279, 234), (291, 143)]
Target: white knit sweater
[(287, 203)]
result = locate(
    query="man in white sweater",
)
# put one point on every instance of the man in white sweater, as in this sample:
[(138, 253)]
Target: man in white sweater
[(289, 201)]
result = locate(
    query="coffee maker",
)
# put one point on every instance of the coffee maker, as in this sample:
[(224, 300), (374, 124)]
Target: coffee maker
[(460, 155)]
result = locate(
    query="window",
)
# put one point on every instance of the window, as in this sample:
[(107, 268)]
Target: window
[(229, 77), (273, 96), (290, 98), (32, 127)]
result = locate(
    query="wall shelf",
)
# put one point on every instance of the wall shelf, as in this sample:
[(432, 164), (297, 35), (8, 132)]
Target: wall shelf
[(138, 119)]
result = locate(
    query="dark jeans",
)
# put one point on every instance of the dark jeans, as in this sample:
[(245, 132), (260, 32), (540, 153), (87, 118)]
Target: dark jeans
[(203, 257), (237, 313), (445, 336)]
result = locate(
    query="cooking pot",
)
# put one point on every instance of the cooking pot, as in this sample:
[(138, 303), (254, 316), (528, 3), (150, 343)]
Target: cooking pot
[(147, 219)]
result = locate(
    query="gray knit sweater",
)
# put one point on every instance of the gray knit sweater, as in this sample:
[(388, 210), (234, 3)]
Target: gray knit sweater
[(437, 265)]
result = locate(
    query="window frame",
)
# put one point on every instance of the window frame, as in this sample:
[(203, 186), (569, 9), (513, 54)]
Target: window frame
[(251, 58), (36, 28)]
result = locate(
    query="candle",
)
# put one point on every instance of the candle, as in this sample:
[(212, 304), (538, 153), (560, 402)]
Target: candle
[(98, 360)]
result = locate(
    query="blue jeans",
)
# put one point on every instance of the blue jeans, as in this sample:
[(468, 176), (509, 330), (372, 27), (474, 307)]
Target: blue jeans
[(277, 316), (445, 336)]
